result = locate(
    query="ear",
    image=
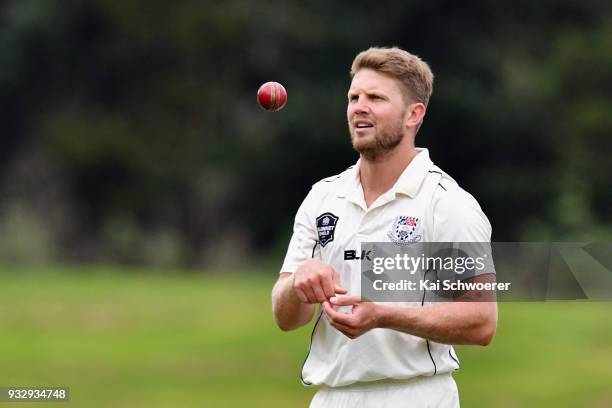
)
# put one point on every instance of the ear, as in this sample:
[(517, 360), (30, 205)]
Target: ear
[(414, 114)]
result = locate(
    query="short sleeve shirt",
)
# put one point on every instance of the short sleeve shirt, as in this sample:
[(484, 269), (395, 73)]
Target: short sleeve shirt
[(334, 218)]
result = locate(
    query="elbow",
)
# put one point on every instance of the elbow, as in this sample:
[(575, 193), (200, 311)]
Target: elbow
[(486, 338), (285, 327), (486, 334), (290, 322), (283, 324), (487, 329)]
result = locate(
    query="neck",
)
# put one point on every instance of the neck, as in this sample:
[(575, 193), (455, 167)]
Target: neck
[(378, 176)]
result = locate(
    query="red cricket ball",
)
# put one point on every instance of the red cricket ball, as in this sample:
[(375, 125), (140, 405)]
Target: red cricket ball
[(272, 96)]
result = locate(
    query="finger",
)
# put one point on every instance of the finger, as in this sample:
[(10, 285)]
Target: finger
[(311, 298), (327, 286), (337, 317), (346, 330), (300, 294), (327, 307), (345, 300), (332, 314), (318, 292), (337, 287), (336, 277), (329, 310)]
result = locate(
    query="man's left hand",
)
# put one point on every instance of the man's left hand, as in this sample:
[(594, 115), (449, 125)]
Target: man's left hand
[(364, 318)]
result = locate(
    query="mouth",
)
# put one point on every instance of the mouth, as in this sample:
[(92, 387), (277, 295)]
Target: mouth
[(362, 125)]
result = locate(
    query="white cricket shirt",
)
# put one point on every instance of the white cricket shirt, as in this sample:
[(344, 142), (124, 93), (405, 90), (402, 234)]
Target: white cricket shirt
[(334, 218)]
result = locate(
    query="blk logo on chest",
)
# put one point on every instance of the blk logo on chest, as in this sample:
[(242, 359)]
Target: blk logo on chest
[(351, 254)]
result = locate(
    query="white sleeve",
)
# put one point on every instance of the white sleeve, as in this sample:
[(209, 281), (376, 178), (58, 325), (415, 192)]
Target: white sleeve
[(304, 241), (458, 218)]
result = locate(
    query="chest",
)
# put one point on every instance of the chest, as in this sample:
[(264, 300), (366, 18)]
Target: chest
[(342, 225)]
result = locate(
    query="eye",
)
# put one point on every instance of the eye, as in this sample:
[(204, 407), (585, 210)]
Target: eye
[(352, 98)]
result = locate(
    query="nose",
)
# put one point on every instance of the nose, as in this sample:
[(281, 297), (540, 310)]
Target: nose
[(358, 106)]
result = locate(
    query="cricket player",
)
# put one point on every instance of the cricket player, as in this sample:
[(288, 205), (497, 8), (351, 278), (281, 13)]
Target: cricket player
[(377, 354)]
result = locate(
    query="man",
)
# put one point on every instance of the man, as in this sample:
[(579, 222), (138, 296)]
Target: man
[(380, 354)]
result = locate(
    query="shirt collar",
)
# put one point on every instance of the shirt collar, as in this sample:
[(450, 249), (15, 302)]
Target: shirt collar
[(408, 183), (412, 177), (352, 182)]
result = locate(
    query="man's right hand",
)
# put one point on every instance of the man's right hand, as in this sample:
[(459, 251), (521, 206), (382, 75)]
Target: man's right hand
[(316, 282)]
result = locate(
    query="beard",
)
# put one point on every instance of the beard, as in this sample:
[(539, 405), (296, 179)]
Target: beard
[(376, 147)]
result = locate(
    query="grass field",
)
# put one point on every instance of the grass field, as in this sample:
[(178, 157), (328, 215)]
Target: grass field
[(142, 340)]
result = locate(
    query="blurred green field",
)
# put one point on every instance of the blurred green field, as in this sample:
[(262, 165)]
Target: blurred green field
[(132, 339)]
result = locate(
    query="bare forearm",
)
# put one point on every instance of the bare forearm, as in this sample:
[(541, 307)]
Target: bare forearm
[(289, 312), (450, 323)]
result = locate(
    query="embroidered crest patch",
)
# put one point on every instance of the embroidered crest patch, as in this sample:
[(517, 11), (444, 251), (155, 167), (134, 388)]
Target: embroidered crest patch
[(326, 226), (406, 230)]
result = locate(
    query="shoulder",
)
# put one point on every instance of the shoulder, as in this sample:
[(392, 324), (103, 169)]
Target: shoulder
[(333, 184), (457, 215), (324, 189), (450, 197)]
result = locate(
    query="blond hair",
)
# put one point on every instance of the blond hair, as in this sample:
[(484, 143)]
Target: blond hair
[(413, 74)]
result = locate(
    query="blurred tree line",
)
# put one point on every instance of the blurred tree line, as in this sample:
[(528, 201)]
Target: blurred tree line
[(130, 131)]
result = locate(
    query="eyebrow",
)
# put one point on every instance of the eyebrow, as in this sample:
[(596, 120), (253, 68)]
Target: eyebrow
[(367, 92)]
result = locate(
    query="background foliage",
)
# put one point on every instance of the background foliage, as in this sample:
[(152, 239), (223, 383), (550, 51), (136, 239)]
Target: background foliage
[(130, 131)]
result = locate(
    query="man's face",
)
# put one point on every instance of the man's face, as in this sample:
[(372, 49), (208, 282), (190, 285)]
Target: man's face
[(375, 113)]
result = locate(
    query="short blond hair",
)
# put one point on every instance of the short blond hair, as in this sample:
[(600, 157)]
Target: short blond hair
[(413, 73)]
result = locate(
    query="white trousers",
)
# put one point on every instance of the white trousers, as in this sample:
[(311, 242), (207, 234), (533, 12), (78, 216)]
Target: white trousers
[(439, 391)]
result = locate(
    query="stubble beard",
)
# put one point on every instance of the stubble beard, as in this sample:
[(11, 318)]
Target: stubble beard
[(384, 142)]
